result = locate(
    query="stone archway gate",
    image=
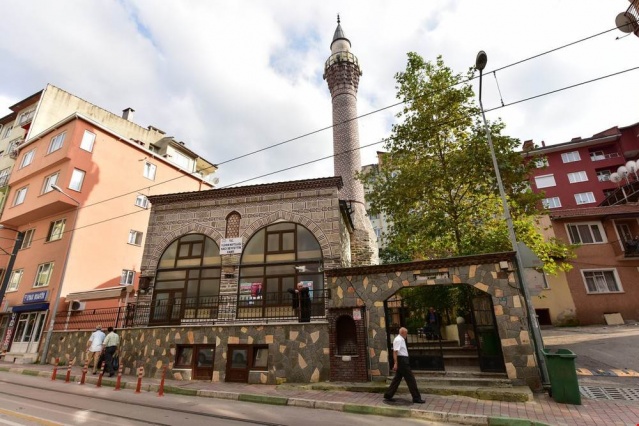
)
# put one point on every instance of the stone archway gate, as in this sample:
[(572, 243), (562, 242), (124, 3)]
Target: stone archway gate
[(494, 274)]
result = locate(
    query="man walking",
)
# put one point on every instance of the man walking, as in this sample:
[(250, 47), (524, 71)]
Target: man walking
[(401, 367), (94, 347), (111, 343)]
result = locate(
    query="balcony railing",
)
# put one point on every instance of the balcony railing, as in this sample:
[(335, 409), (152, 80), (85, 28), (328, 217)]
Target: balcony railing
[(88, 319), (270, 307)]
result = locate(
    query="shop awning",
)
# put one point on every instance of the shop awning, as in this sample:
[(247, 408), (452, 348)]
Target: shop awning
[(100, 293), (30, 308)]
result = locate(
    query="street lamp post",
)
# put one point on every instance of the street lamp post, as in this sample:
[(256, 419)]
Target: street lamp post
[(54, 310), (533, 325), (12, 259)]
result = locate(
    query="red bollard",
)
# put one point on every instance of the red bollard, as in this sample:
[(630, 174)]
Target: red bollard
[(66, 380), (55, 369), (161, 390), (140, 375), (85, 369), (99, 384), (119, 379)]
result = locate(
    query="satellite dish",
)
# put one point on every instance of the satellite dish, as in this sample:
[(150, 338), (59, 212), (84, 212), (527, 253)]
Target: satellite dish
[(615, 178), (625, 23), (622, 171), (631, 166), (216, 181)]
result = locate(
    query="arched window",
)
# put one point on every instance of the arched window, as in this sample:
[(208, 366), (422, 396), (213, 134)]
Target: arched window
[(346, 335), (187, 281), (276, 258)]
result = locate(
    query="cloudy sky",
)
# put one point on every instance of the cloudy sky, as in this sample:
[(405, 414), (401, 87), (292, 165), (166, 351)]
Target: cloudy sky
[(232, 77)]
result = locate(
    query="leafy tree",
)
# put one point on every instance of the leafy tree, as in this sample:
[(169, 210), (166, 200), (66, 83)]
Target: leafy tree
[(436, 183)]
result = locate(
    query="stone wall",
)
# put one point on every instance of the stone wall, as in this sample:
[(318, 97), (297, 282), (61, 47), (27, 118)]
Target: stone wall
[(297, 352), (371, 286)]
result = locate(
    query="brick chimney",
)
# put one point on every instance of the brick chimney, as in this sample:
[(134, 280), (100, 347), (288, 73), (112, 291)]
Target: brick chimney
[(127, 114)]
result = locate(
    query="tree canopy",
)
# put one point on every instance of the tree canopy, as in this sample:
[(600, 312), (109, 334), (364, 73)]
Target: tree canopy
[(436, 183)]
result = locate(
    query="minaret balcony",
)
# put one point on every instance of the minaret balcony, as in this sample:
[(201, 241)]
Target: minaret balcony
[(338, 57)]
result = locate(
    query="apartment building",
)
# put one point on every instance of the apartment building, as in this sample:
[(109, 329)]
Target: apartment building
[(590, 193), (75, 201)]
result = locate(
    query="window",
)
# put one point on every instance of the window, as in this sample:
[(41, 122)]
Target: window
[(585, 233), (545, 181), (7, 131), (187, 282), (43, 275), (585, 198), (135, 237), (127, 277), (87, 141), (274, 260), (551, 203), (56, 143), (577, 177), (28, 238), (56, 229), (142, 201), (49, 181), (540, 163), (26, 117), (21, 194), (4, 176), (149, 170), (76, 180), (27, 158), (14, 281), (603, 175), (569, 157), (603, 281)]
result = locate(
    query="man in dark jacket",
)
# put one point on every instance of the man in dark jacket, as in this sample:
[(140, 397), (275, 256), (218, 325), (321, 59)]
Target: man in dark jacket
[(301, 302)]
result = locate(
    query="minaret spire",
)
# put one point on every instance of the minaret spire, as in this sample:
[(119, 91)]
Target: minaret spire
[(342, 73)]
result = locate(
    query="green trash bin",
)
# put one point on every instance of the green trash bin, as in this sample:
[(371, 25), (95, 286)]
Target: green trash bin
[(564, 386)]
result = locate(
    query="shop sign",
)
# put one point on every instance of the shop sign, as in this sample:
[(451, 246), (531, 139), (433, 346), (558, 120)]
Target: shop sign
[(7, 337), (35, 297), (231, 246)]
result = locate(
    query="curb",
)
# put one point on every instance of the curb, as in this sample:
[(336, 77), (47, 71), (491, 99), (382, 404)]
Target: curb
[(465, 419)]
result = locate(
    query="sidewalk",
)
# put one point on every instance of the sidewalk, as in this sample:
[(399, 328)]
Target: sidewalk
[(455, 409)]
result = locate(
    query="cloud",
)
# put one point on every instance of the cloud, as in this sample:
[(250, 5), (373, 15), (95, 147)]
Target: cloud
[(229, 78)]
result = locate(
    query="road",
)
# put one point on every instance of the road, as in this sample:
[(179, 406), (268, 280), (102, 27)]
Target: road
[(599, 349), (26, 400)]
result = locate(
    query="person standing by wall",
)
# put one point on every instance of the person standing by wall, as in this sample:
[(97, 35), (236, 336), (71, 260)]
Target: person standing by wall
[(111, 344), (94, 346), (401, 367)]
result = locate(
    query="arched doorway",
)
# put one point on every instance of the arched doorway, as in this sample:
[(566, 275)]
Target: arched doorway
[(450, 328)]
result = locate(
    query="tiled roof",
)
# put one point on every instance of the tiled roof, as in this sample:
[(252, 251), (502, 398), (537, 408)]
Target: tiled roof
[(243, 191), (422, 265), (618, 210)]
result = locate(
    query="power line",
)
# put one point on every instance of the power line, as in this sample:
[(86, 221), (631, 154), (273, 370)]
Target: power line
[(348, 151), (354, 118)]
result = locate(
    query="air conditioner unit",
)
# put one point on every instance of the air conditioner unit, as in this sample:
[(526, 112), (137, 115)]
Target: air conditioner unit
[(76, 305)]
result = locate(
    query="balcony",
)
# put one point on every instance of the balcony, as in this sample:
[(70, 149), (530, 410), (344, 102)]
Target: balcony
[(227, 309)]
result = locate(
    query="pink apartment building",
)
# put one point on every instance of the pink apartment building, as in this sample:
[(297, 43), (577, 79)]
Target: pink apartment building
[(77, 194)]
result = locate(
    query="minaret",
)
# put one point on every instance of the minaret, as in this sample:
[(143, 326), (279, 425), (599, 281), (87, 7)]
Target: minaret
[(342, 73)]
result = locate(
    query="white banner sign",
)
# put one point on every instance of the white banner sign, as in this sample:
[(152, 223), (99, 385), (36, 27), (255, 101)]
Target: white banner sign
[(231, 246)]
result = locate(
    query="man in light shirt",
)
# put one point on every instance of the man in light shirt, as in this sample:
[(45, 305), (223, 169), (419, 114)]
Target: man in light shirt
[(401, 367), (94, 346), (111, 343)]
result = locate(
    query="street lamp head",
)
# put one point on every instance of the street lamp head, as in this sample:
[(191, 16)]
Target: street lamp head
[(56, 188), (481, 60)]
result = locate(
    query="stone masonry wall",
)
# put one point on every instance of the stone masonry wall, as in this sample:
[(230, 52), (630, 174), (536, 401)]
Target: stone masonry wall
[(371, 290), (297, 352)]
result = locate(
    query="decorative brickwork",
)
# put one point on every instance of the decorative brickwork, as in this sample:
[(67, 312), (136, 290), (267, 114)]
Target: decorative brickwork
[(233, 225), (352, 367)]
